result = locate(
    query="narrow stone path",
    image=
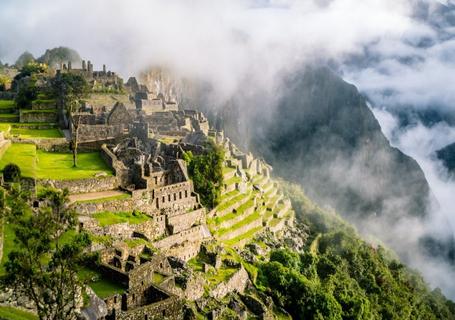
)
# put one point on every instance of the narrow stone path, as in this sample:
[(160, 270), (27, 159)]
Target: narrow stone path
[(95, 195)]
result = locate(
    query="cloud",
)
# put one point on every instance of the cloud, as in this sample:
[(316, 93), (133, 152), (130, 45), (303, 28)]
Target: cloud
[(223, 42)]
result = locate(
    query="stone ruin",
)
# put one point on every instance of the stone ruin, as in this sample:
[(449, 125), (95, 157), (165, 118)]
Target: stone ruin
[(99, 80)]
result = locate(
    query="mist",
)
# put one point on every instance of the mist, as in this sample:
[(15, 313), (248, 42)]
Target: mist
[(398, 52)]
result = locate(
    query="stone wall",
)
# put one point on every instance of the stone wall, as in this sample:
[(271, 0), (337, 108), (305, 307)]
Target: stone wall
[(171, 309), (237, 283), (37, 116), (82, 185), (99, 132), (50, 145), (192, 234), (185, 221)]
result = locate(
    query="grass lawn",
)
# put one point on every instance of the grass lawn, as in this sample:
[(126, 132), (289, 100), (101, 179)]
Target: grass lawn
[(102, 286), (49, 165), (10, 313), (107, 218), (59, 166), (247, 235), (24, 155), (7, 104), (36, 133)]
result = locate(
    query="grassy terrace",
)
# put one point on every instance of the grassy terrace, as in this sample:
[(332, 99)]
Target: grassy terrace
[(249, 219), (102, 286), (10, 313), (228, 170), (47, 165), (238, 212), (247, 235), (233, 180), (36, 133), (107, 218), (106, 199), (7, 104), (224, 205)]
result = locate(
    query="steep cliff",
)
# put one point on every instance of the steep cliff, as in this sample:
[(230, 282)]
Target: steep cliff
[(323, 135)]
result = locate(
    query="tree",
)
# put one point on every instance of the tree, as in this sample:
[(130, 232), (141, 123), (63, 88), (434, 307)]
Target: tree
[(11, 172), (206, 171), (42, 266), (24, 59), (69, 89)]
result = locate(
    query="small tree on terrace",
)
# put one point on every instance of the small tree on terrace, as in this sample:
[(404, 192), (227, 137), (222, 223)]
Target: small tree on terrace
[(69, 89)]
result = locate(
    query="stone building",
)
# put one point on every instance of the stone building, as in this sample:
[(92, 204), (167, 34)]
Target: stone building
[(99, 80)]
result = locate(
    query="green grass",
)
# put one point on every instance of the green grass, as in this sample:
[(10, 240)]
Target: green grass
[(38, 111), (102, 286), (224, 205), (246, 235), (8, 115), (134, 242), (238, 212), (106, 199), (227, 170), (36, 133), (107, 218), (24, 155), (8, 245), (233, 180), (59, 166), (158, 278), (5, 127), (252, 217), (10, 313), (7, 104)]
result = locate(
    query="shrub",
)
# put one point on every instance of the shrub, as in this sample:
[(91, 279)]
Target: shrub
[(11, 172)]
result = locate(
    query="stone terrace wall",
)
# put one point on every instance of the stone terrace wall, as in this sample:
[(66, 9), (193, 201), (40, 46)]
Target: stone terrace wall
[(193, 234), (99, 132), (83, 185), (237, 282), (171, 309), (38, 116), (184, 221)]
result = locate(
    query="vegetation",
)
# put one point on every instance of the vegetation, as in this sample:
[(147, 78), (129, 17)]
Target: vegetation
[(102, 286), (342, 277), (42, 264), (7, 104), (36, 133), (47, 165), (11, 313), (69, 89), (106, 199), (11, 173), (206, 171), (26, 81), (106, 218), (23, 155)]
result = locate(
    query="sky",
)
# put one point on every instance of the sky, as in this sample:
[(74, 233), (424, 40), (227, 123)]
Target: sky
[(399, 53)]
